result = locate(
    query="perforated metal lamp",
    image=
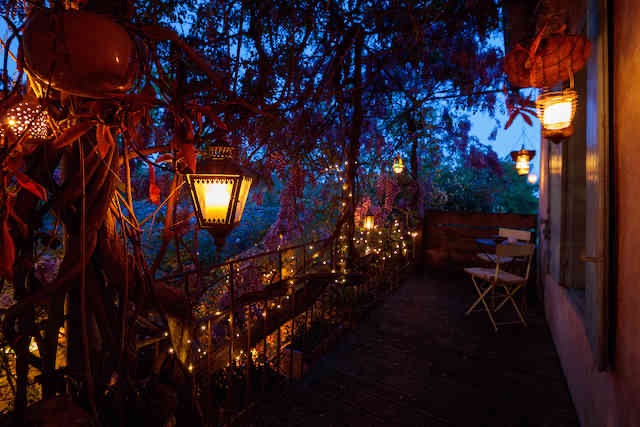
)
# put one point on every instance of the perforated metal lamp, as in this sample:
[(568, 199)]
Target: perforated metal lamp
[(219, 191), (522, 158)]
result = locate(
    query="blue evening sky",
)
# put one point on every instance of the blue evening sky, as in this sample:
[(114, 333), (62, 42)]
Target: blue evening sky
[(482, 125)]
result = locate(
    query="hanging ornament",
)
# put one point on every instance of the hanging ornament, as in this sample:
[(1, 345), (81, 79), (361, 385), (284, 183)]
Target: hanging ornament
[(27, 116), (398, 166), (219, 191), (369, 222), (79, 52), (556, 110), (522, 158), (549, 60)]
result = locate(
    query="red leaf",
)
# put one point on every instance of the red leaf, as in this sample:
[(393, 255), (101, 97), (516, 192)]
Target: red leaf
[(70, 135), (24, 230), (31, 186), (188, 152), (530, 111), (527, 119), (104, 140), (154, 190), (166, 157), (210, 114), (7, 250), (14, 164), (512, 117)]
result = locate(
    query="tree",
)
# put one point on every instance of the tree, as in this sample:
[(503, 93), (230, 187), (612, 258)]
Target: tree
[(304, 91)]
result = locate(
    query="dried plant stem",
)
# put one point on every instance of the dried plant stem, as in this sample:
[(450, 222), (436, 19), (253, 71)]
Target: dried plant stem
[(83, 286)]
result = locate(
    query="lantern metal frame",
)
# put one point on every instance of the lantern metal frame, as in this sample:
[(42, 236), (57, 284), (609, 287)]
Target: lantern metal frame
[(517, 157), (220, 166), (549, 99)]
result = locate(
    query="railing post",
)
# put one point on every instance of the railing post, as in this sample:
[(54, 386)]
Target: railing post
[(209, 373), (231, 313), (293, 328), (249, 357), (280, 264)]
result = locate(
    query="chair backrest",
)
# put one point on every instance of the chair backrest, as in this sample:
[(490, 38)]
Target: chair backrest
[(514, 234), (516, 250)]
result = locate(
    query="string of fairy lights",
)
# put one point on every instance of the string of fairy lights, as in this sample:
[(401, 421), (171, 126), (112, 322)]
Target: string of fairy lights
[(385, 242)]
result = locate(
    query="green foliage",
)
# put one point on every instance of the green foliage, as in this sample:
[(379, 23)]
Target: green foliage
[(518, 195), (458, 187)]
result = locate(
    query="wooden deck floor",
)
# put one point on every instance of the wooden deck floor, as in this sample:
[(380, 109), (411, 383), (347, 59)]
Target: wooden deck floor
[(416, 360)]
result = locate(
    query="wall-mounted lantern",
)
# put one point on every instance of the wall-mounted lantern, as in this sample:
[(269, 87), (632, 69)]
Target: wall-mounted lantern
[(556, 111), (219, 191)]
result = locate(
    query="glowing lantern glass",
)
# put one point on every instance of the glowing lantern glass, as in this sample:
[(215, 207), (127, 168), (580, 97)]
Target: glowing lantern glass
[(556, 111), (398, 166), (522, 159), (369, 222), (532, 178), (29, 116), (219, 191)]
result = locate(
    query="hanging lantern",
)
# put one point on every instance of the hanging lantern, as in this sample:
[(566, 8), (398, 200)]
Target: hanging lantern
[(556, 111), (219, 191), (522, 159), (369, 222), (27, 115), (532, 178), (398, 166)]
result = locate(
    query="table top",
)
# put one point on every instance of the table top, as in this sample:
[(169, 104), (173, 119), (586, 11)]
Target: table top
[(490, 241)]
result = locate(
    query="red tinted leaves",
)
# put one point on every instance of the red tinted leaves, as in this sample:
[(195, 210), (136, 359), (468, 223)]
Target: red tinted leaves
[(188, 152), (7, 250), (104, 140), (31, 186), (70, 135), (154, 190)]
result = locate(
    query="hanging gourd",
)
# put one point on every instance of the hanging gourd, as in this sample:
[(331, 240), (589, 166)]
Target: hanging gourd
[(550, 60), (78, 52)]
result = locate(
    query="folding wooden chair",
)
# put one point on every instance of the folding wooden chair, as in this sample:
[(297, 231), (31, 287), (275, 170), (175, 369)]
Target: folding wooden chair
[(486, 280), (511, 234)]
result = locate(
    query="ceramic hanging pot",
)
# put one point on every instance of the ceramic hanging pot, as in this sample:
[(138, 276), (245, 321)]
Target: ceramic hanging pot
[(81, 53)]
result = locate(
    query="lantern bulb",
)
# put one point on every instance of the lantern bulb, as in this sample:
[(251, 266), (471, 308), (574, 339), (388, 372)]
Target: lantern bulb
[(532, 178), (557, 116), (216, 196), (556, 111), (522, 165)]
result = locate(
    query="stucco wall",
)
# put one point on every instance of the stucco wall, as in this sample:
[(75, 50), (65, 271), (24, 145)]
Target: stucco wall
[(612, 398)]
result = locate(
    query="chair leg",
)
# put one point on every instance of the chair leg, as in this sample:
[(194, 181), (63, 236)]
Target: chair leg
[(509, 297), (481, 295)]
